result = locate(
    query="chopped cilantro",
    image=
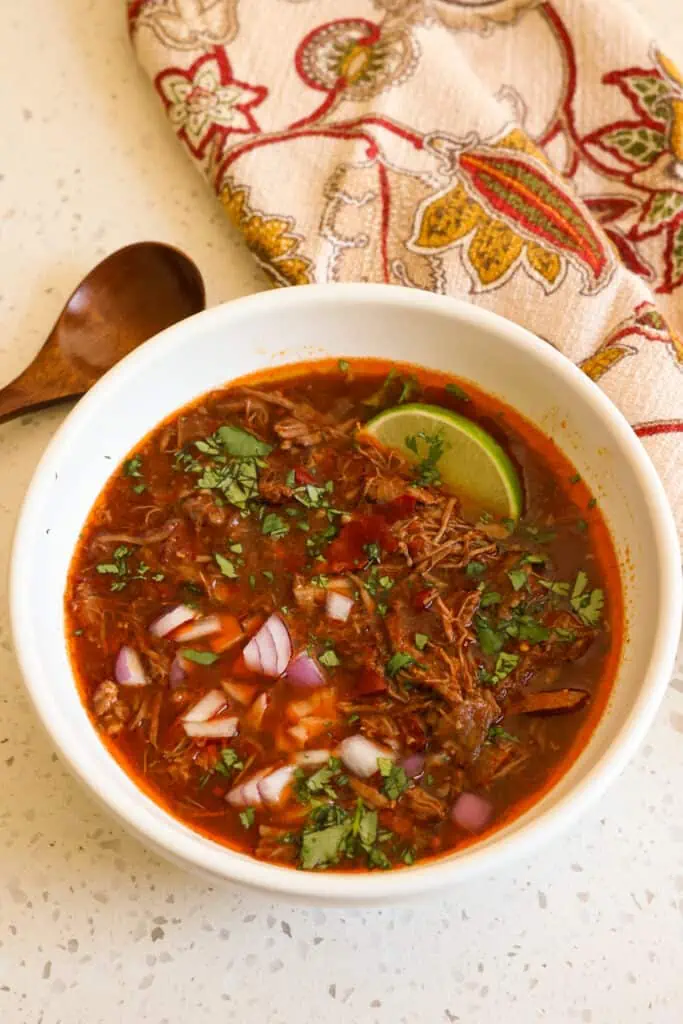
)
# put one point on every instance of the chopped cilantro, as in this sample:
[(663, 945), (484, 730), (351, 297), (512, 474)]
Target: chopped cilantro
[(329, 658), (273, 526), (490, 640), (380, 396), (497, 732), (475, 569), (240, 443), (378, 859), (408, 856), (226, 566), (353, 718), (587, 604), (421, 641), (229, 761), (77, 632), (531, 631), (491, 597), (592, 503), (409, 387), (320, 580), (268, 575), (366, 827), (247, 817), (317, 541), (319, 782), (343, 365), (312, 496), (372, 550), (555, 587), (567, 636), (199, 657), (252, 581), (398, 662), (518, 578), (532, 559), (505, 663), (433, 447), (133, 468), (236, 549), (395, 779), (318, 849), (575, 479), (124, 574), (457, 392)]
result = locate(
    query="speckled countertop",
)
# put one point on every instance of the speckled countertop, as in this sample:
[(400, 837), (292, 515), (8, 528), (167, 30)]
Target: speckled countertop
[(96, 930)]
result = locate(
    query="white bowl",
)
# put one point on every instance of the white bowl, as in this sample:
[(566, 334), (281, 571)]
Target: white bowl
[(347, 320)]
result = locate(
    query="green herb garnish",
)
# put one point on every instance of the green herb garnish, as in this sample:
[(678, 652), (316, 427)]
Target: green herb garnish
[(518, 578), (273, 526), (229, 762), (247, 817), (587, 604), (497, 732), (429, 451), (505, 664), (398, 662), (226, 566), (395, 779), (421, 641), (199, 657), (457, 392)]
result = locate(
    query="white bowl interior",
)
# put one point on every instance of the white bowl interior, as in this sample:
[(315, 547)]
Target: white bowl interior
[(283, 327)]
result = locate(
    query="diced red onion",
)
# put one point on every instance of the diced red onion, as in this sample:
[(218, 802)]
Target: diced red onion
[(273, 786), (414, 765), (471, 812), (313, 757), (169, 621), (210, 704), (305, 670), (177, 674), (207, 626), (128, 669), (270, 650), (360, 755), (247, 793), (338, 606), (217, 728)]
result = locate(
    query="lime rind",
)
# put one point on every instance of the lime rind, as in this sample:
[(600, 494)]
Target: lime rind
[(474, 466)]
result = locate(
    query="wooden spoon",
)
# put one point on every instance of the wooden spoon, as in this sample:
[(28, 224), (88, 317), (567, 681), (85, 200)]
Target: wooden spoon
[(128, 297)]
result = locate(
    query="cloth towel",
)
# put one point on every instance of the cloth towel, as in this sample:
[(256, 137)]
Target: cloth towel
[(525, 155)]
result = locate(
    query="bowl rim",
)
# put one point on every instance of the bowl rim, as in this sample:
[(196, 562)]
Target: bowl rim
[(198, 852)]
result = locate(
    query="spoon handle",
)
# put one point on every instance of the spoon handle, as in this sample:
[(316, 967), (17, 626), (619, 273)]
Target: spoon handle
[(12, 402)]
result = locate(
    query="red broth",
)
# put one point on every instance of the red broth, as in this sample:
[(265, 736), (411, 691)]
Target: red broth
[(475, 660)]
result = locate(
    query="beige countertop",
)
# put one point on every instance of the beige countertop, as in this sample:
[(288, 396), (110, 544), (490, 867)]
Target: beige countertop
[(93, 928)]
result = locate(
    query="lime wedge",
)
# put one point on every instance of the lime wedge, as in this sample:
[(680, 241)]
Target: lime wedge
[(470, 463)]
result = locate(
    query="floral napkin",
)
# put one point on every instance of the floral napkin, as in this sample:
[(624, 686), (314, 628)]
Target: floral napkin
[(526, 155)]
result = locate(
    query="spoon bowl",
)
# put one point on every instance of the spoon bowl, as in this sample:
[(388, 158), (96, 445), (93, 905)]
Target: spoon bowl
[(126, 299)]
